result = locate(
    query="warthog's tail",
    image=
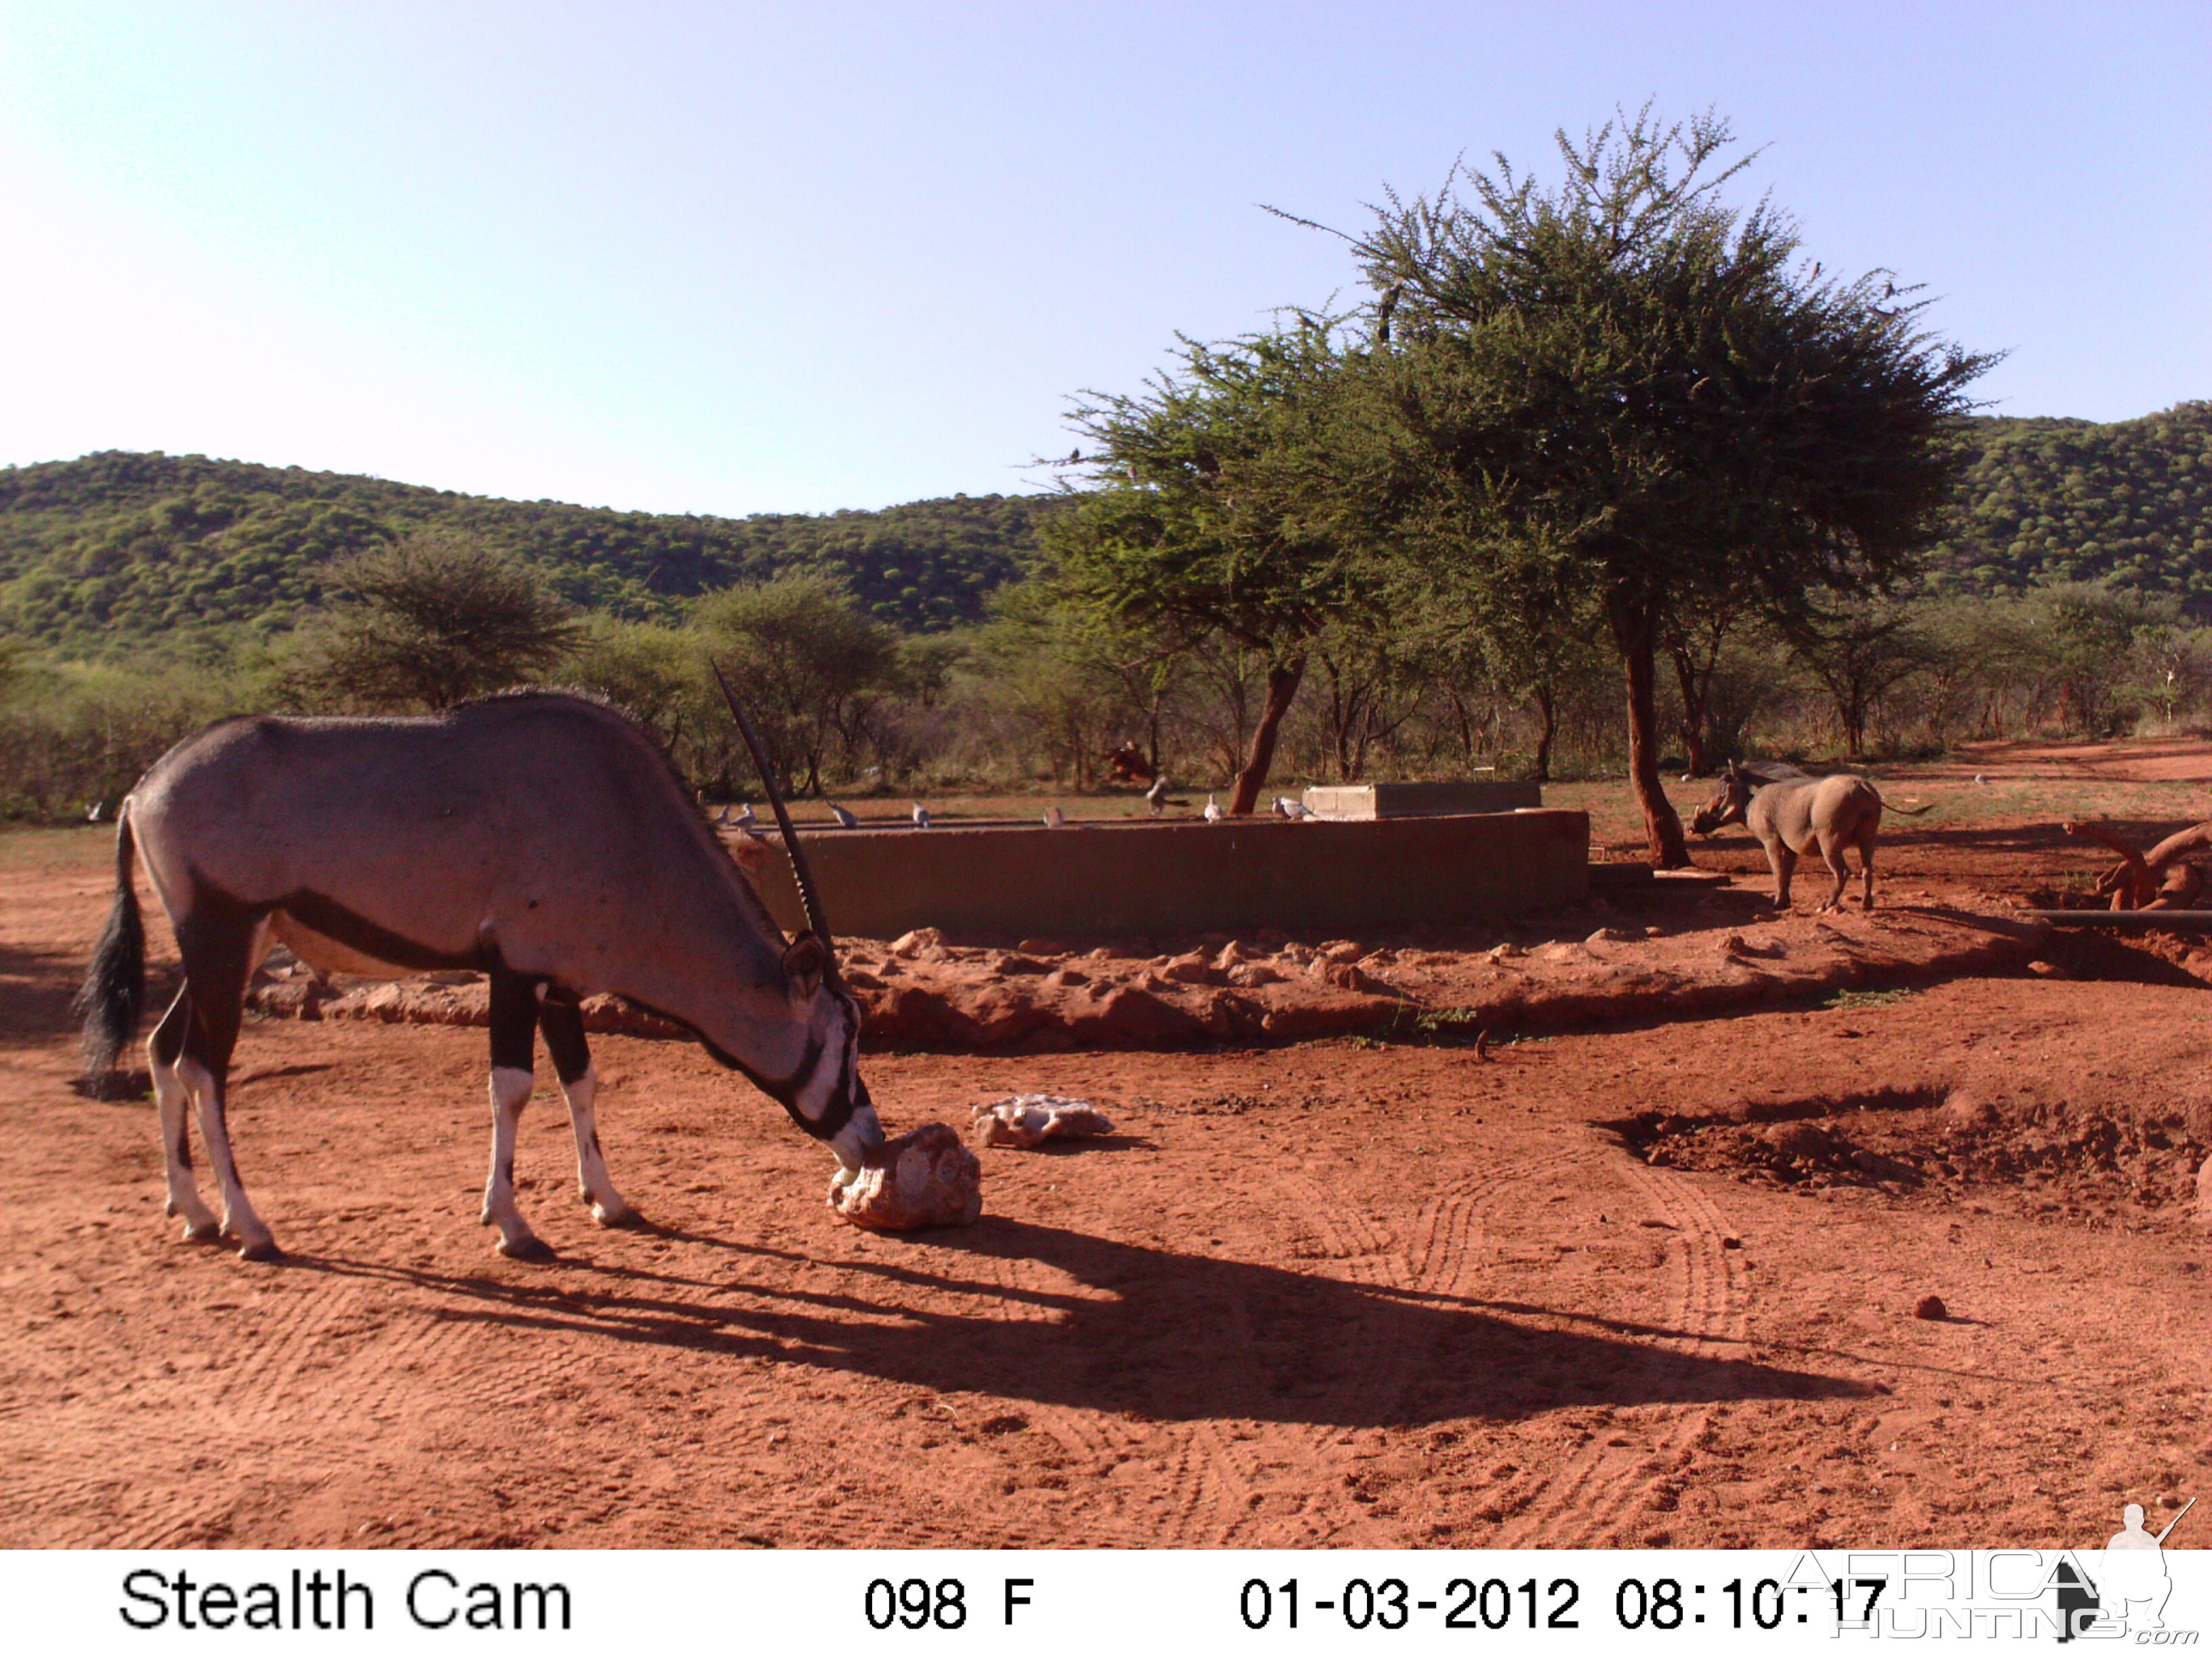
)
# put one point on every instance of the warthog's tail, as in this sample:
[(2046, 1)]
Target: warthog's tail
[(114, 988), (1909, 812)]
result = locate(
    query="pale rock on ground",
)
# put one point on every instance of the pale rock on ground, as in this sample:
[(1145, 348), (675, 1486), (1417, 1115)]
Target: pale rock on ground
[(925, 1178), (1025, 1120)]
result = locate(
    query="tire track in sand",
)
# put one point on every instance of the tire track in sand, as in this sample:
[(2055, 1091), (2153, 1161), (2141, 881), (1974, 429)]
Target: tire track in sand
[(1605, 1493), (1440, 1249)]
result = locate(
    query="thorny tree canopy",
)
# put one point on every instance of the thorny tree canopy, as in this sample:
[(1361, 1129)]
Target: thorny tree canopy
[(1647, 390), (1630, 393)]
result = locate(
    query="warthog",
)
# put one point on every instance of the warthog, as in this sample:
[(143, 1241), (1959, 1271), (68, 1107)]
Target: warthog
[(1792, 815)]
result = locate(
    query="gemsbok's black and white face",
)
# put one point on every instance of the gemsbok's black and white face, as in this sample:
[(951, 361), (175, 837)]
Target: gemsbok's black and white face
[(827, 1096)]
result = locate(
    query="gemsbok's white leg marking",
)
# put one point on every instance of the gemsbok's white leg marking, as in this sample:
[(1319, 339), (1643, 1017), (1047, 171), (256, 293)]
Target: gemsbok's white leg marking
[(510, 1093), (238, 1220), (172, 1099), (609, 1207)]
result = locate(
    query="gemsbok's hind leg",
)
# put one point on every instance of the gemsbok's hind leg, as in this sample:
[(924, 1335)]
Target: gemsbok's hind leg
[(513, 1033), (562, 1023), (163, 1049), (219, 953)]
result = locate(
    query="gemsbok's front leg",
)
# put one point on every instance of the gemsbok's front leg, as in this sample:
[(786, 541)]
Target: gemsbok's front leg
[(562, 1021), (513, 1030)]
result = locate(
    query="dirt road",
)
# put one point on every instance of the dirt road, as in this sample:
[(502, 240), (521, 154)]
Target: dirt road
[(1614, 1286)]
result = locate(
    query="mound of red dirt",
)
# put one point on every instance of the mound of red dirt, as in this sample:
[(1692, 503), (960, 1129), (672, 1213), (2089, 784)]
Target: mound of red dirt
[(922, 992)]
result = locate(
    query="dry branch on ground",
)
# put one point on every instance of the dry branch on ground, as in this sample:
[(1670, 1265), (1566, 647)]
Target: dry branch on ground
[(2160, 879)]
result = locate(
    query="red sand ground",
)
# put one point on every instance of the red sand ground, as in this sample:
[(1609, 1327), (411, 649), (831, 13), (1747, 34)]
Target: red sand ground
[(1641, 1280)]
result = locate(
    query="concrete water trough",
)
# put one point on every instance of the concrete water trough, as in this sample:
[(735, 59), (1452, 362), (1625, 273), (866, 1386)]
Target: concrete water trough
[(1016, 880)]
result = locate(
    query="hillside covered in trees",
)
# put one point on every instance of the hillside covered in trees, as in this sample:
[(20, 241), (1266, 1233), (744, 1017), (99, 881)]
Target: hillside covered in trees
[(2051, 500), (117, 549)]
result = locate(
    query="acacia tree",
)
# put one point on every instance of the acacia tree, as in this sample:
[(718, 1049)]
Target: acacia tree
[(806, 656), (1202, 514), (1053, 668), (1623, 388), (1694, 644), (436, 618), (1861, 648)]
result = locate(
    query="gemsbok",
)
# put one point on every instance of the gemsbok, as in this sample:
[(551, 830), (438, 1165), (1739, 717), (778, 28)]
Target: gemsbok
[(540, 838)]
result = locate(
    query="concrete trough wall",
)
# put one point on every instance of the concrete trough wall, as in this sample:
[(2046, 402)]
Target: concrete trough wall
[(1164, 879)]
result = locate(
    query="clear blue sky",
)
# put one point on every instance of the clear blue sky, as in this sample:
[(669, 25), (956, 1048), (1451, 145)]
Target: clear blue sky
[(735, 258)]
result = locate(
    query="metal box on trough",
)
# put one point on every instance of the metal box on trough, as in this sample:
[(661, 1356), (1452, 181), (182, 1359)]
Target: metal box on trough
[(1360, 801)]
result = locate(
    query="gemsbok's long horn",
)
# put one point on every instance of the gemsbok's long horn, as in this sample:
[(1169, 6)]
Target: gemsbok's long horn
[(800, 870)]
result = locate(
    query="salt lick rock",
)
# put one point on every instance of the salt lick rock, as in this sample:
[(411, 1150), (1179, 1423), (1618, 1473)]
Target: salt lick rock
[(925, 1178)]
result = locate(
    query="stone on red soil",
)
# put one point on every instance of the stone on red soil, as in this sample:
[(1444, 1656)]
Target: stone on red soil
[(1930, 1306), (1799, 1139), (1025, 1120)]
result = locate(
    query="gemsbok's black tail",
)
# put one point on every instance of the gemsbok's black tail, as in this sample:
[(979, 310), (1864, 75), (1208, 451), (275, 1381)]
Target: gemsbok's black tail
[(114, 988)]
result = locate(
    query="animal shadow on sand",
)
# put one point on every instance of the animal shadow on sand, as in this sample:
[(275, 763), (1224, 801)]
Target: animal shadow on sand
[(1174, 1336), (36, 990)]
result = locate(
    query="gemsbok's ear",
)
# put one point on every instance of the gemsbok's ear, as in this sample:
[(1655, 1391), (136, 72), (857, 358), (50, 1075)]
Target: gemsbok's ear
[(805, 965)]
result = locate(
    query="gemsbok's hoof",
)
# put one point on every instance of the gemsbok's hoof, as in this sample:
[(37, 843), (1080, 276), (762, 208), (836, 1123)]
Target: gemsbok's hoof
[(203, 1232), (528, 1247), (617, 1215), (260, 1249)]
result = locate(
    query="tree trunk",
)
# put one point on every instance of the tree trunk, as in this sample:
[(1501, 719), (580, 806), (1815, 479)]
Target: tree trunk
[(1282, 680), (1635, 631), (1547, 708), (1697, 692)]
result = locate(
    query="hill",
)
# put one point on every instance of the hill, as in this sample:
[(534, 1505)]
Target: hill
[(114, 550), (2072, 500), (117, 549)]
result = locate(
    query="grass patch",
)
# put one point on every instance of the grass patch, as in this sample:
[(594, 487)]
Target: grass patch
[(1864, 998)]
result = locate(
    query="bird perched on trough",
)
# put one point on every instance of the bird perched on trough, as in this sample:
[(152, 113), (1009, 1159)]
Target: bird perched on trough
[(845, 819), (1292, 808), (745, 819), (722, 820), (920, 816), (1213, 813), (1055, 818)]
